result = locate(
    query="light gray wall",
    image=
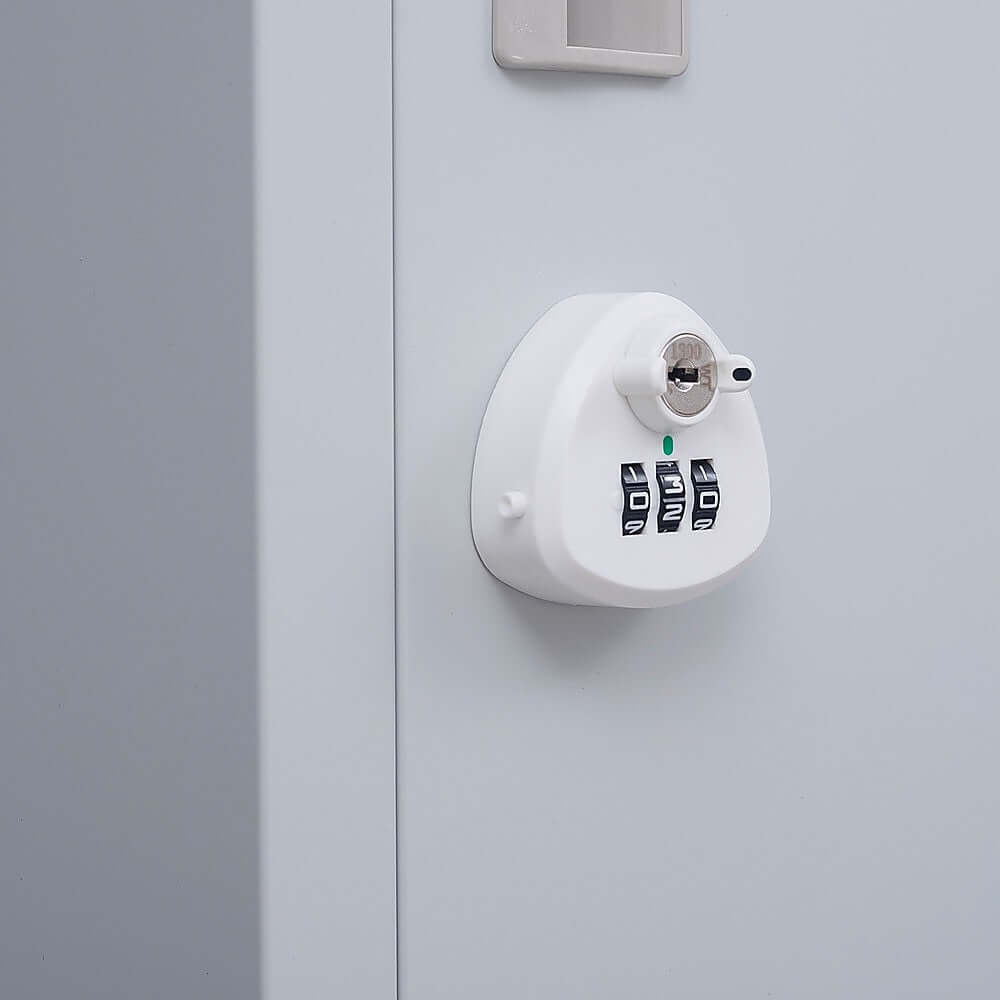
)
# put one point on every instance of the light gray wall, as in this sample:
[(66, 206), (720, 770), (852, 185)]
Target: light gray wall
[(785, 789), (128, 858)]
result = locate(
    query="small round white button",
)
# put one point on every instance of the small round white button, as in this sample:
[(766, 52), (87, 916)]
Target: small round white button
[(512, 506)]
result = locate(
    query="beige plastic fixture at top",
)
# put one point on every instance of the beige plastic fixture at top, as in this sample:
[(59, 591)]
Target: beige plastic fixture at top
[(637, 37)]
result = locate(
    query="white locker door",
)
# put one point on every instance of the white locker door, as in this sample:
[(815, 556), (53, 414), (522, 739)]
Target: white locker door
[(783, 789)]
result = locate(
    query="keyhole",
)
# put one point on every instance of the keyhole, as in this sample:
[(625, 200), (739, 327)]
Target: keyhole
[(684, 378)]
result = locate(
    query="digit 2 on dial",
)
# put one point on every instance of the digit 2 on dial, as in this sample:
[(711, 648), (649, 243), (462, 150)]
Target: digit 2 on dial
[(706, 495), (673, 497), (635, 486)]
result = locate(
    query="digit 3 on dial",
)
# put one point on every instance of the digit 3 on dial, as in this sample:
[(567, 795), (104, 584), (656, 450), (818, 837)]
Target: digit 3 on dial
[(673, 497)]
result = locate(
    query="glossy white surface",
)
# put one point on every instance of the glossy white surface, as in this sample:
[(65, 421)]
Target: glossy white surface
[(558, 429)]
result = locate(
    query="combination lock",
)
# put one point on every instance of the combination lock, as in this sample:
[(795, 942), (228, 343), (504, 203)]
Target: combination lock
[(635, 388)]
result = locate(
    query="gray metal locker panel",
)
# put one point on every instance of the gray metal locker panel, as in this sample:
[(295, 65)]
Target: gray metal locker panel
[(197, 499), (128, 682)]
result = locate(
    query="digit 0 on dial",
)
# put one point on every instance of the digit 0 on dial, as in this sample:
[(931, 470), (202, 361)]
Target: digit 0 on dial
[(673, 497), (706, 494), (635, 487)]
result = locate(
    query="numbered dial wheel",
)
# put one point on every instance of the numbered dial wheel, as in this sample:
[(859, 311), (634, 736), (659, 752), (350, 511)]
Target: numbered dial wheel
[(635, 487), (673, 497), (707, 496)]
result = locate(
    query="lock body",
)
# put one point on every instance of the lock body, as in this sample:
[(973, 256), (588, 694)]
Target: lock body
[(577, 500)]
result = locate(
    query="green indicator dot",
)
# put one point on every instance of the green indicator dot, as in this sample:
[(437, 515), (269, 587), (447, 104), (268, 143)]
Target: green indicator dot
[(668, 445)]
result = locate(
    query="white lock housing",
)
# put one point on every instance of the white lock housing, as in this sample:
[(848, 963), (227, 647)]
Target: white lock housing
[(620, 460)]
